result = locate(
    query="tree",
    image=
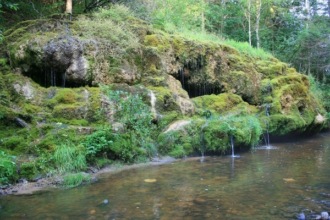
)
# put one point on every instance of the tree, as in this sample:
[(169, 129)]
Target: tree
[(248, 15), (9, 5), (258, 13), (68, 7)]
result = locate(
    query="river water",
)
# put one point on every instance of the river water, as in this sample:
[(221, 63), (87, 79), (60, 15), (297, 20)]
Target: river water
[(260, 184)]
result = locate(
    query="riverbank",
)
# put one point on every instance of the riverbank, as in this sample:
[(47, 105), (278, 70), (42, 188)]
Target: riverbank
[(25, 187)]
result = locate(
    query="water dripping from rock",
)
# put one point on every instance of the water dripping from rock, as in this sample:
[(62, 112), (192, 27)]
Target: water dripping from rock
[(266, 134), (233, 147)]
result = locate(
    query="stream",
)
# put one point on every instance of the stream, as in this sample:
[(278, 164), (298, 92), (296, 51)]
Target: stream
[(277, 183)]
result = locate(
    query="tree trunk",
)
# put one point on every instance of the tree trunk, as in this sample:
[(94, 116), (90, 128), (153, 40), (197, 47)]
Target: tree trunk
[(203, 15), (203, 22), (258, 12), (249, 21), (68, 8), (308, 11), (223, 17), (329, 7)]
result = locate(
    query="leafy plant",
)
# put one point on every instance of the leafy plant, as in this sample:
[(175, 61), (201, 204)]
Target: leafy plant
[(135, 115), (98, 143), (134, 142), (117, 12), (8, 171)]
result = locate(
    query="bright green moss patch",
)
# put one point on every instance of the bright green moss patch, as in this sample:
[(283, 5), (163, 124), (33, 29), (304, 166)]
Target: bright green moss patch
[(222, 103), (62, 96), (165, 99), (285, 124), (271, 69)]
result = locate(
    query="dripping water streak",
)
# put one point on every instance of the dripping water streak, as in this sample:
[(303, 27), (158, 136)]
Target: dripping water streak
[(153, 103), (232, 145), (267, 141)]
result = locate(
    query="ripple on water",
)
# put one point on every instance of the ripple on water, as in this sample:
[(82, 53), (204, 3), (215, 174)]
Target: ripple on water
[(266, 147)]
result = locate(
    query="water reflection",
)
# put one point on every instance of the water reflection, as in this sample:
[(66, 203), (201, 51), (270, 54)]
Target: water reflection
[(261, 184)]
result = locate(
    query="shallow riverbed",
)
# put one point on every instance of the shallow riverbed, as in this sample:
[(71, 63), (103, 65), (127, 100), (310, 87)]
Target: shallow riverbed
[(261, 184)]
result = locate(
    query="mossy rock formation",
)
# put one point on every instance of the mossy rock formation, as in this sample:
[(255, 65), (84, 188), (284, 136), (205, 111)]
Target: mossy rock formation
[(189, 79)]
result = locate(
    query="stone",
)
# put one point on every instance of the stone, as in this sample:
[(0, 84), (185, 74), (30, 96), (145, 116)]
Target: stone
[(64, 55), (177, 125), (106, 201), (26, 90), (324, 215), (301, 216)]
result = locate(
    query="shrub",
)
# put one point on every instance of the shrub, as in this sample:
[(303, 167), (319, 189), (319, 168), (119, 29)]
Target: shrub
[(132, 144), (28, 170), (117, 12), (211, 135), (135, 115), (8, 171), (98, 143)]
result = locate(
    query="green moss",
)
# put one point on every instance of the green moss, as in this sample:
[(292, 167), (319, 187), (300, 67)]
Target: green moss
[(281, 124), (246, 131), (94, 114), (222, 103), (271, 68), (211, 135), (64, 96), (69, 111), (30, 108), (168, 118), (160, 42), (178, 44), (28, 170), (154, 81), (165, 100), (14, 143)]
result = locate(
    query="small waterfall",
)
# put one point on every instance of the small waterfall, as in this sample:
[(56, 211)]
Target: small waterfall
[(153, 103), (232, 147), (266, 136)]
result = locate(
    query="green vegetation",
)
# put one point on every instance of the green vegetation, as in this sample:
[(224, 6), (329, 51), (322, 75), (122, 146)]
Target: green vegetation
[(75, 179), (69, 158), (211, 135), (178, 51), (131, 141), (7, 168)]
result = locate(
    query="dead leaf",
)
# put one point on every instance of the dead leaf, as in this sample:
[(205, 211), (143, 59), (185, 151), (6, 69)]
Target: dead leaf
[(289, 180), (150, 180)]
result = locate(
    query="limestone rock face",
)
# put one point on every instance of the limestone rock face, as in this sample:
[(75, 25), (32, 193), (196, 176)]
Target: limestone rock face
[(26, 90), (181, 96), (188, 77), (64, 55)]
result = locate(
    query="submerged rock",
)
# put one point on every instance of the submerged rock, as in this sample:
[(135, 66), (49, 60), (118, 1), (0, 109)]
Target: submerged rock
[(301, 216), (324, 215), (106, 201)]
